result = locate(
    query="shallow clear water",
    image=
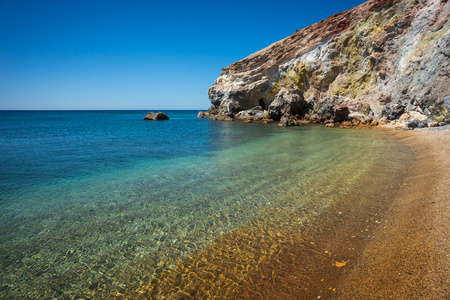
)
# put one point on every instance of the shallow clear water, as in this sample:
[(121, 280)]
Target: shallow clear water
[(94, 204)]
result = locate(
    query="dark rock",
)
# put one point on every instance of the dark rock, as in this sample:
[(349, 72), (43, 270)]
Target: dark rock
[(393, 111), (288, 121), (156, 116), (286, 103), (330, 109), (415, 123), (341, 113), (442, 124)]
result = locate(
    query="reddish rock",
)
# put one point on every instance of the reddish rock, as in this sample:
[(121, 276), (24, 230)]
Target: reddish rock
[(266, 121), (381, 58)]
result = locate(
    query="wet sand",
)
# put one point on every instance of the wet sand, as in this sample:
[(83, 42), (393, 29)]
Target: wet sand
[(410, 256)]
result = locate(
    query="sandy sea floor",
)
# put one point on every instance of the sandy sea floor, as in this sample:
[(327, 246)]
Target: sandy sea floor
[(409, 258), (389, 241)]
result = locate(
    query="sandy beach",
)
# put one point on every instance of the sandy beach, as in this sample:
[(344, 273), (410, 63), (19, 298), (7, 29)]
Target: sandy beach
[(388, 241), (409, 258)]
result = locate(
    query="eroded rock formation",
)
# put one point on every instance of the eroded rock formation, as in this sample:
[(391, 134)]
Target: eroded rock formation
[(377, 61)]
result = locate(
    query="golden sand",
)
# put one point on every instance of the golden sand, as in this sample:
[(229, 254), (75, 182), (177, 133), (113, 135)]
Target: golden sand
[(410, 256)]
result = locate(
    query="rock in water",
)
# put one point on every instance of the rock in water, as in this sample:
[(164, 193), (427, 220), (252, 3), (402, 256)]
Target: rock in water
[(288, 121), (203, 114), (382, 58), (156, 116)]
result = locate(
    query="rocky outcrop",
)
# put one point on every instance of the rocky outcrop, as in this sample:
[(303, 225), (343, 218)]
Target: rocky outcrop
[(286, 103), (381, 59), (156, 116)]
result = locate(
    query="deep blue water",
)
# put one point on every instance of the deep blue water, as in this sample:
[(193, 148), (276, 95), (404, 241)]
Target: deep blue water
[(93, 203), (48, 146)]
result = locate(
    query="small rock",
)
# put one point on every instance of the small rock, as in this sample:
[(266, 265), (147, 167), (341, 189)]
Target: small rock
[(204, 114), (392, 111), (412, 115), (288, 121), (346, 124), (374, 123), (223, 118), (415, 123), (433, 124), (256, 113), (156, 116), (340, 264)]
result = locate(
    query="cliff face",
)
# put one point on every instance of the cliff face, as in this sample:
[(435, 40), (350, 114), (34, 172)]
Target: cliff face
[(384, 59)]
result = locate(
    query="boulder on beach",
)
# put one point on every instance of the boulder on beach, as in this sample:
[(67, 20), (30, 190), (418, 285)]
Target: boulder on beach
[(156, 116)]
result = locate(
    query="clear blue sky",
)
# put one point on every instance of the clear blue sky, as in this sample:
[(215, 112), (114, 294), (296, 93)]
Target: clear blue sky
[(135, 54)]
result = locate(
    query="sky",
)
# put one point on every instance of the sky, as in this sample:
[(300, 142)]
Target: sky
[(135, 55)]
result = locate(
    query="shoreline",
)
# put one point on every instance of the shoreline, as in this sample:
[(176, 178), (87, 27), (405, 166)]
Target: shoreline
[(267, 260), (378, 244), (410, 256)]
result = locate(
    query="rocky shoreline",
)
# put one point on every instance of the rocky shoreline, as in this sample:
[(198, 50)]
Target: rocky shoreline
[(382, 62), (290, 109)]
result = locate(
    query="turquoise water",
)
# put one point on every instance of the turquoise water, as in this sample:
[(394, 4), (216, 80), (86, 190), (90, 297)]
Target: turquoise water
[(97, 203)]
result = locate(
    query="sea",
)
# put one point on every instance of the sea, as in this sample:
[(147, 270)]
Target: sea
[(102, 204)]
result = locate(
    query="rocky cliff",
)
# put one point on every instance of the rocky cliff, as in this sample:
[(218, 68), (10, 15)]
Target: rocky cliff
[(385, 60)]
